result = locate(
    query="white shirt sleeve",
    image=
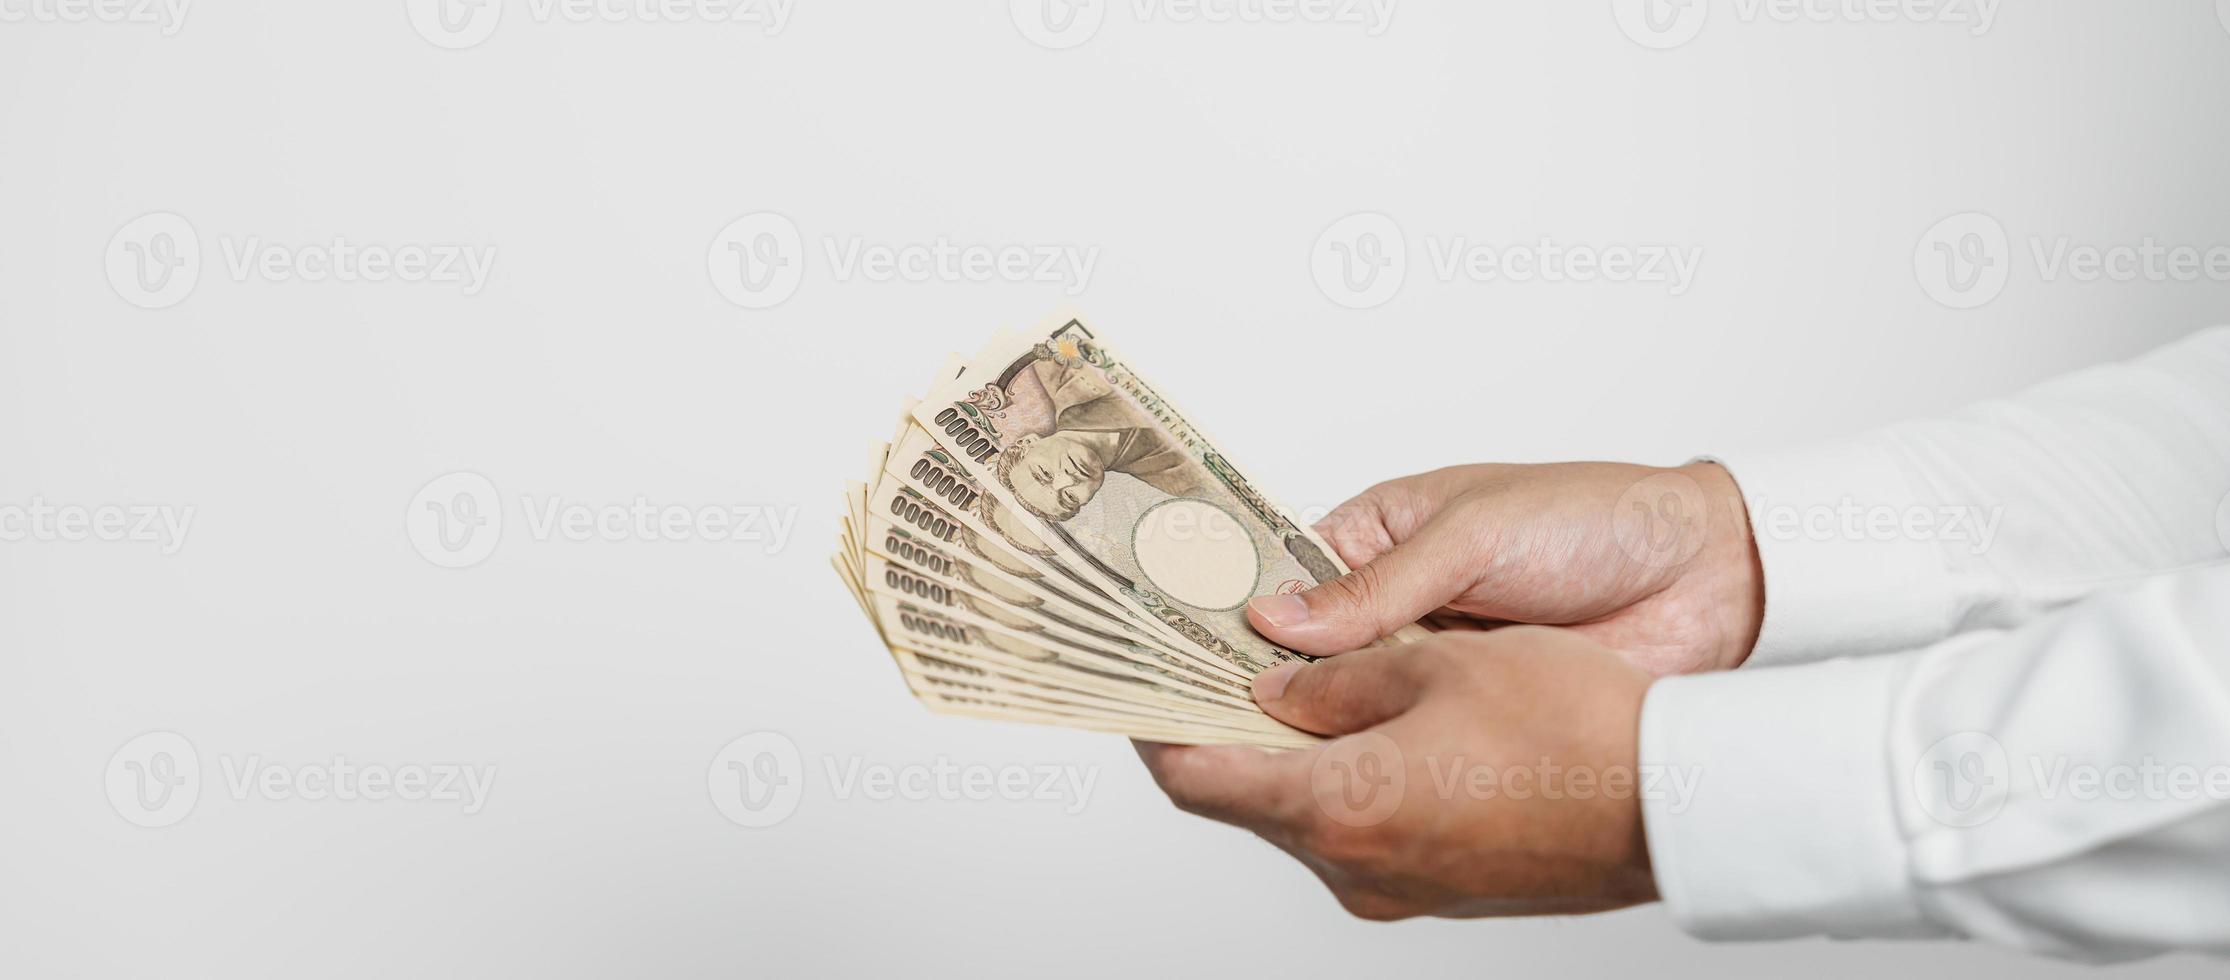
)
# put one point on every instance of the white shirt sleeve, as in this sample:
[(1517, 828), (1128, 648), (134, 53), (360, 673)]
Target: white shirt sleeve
[(2011, 508), (2063, 788), (2047, 764)]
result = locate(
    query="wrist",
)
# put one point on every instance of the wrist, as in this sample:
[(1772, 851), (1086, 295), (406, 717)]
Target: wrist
[(1639, 876), (1728, 571), (1628, 877)]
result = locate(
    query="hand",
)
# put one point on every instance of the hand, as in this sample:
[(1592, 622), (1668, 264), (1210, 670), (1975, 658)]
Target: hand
[(1495, 776), (1655, 562)]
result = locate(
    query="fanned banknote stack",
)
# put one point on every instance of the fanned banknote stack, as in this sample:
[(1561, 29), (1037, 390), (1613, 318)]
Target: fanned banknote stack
[(1047, 539)]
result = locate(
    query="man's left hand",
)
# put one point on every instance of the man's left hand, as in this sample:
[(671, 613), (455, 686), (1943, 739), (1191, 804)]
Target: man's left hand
[(1486, 773)]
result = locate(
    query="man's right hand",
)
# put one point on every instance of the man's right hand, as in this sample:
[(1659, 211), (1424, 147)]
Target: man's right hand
[(1655, 562)]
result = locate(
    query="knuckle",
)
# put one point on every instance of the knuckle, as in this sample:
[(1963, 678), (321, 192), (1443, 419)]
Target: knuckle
[(1360, 588), (1188, 805), (1367, 593), (1459, 670), (1321, 684), (1334, 525), (1360, 518), (1182, 790), (1372, 906), (1386, 492), (1351, 679), (1343, 845), (1176, 792), (1179, 796), (1362, 508), (1436, 662), (1158, 768), (1478, 515)]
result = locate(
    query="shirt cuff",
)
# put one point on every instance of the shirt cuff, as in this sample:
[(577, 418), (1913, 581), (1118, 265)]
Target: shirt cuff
[(1850, 567), (1774, 814)]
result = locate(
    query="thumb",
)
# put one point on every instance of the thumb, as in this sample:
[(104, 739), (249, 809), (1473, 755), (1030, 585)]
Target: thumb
[(1345, 694), (1394, 590)]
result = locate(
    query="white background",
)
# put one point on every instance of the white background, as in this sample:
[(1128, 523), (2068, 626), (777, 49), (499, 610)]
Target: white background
[(298, 621)]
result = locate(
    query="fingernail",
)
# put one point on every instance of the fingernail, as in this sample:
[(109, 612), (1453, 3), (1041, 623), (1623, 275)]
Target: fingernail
[(1280, 610), (1270, 684)]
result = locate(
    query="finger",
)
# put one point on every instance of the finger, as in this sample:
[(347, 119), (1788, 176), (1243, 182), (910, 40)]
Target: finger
[(1263, 790), (1357, 530), (1394, 590), (1373, 521), (1344, 694)]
